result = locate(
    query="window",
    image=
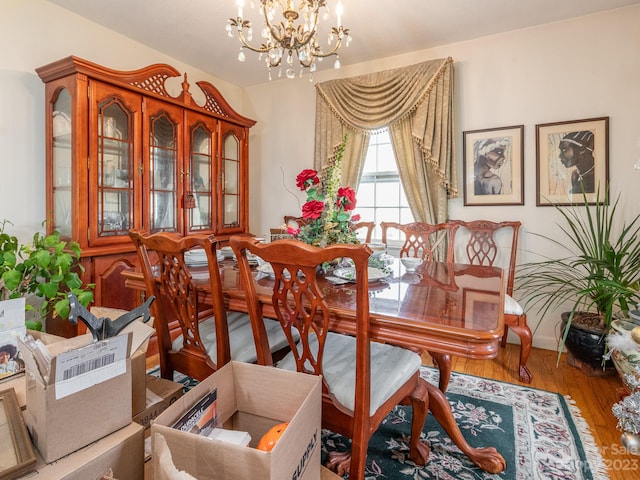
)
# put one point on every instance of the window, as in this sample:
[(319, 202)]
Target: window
[(380, 194)]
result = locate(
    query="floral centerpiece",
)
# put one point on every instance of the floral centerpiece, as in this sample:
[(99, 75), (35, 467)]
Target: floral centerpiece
[(329, 207)]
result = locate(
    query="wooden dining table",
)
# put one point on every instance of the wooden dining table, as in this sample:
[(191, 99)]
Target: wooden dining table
[(442, 308)]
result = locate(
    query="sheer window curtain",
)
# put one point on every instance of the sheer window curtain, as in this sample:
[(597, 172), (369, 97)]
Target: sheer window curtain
[(416, 104)]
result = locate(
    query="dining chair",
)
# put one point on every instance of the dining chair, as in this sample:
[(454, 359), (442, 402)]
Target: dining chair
[(210, 336), (368, 227), (480, 242), (422, 240), (362, 380)]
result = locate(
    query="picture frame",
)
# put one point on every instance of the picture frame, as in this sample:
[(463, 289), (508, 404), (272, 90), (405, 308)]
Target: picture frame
[(16, 452), (493, 166), (479, 307), (572, 157)]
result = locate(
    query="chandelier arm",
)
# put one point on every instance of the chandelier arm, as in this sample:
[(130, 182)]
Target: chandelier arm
[(340, 37), (261, 49)]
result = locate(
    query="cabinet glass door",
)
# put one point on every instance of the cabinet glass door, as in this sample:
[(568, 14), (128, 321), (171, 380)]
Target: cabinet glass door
[(62, 204), (115, 168), (200, 179), (164, 174), (230, 181)]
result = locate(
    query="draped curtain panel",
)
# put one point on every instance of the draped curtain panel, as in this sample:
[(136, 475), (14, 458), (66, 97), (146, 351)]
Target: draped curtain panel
[(416, 104)]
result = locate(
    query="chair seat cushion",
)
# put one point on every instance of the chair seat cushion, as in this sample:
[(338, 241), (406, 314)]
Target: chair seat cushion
[(391, 367), (512, 307), (243, 348)]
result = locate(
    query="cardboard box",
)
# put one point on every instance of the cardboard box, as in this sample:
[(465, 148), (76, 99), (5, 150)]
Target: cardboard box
[(138, 358), (121, 451), (160, 394), (328, 475), (85, 394), (250, 398)]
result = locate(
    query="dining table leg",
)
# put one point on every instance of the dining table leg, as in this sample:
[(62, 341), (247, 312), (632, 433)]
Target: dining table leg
[(487, 458)]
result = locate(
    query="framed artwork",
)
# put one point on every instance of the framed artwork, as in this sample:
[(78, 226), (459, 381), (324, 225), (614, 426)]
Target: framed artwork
[(571, 158), (493, 166), (481, 308), (16, 452)]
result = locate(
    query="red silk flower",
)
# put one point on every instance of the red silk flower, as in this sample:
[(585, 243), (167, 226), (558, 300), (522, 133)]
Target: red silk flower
[(346, 198), (312, 209), (355, 218), (306, 178)]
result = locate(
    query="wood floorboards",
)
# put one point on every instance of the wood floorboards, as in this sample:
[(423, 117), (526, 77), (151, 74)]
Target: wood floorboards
[(594, 396)]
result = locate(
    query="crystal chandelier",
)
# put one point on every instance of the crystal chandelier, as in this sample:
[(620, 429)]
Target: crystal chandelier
[(286, 40)]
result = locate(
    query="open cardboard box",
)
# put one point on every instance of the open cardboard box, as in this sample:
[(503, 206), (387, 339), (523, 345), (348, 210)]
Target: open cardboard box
[(74, 403), (250, 398)]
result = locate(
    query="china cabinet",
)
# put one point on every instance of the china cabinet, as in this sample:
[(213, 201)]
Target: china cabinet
[(123, 153)]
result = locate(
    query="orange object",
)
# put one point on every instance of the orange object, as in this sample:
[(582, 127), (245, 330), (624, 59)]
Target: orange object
[(269, 439)]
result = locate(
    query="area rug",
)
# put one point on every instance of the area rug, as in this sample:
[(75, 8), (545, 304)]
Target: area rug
[(540, 434)]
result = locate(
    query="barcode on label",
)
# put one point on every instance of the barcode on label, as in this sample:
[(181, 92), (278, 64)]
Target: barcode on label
[(88, 366)]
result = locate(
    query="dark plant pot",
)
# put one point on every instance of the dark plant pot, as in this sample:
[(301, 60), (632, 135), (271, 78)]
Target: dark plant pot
[(587, 345)]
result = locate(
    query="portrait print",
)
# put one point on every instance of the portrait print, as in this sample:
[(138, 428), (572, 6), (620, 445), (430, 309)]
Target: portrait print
[(493, 166), (572, 160)]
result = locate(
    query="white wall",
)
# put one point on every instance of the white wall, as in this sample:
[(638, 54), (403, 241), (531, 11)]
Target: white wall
[(34, 33), (577, 69), (581, 68)]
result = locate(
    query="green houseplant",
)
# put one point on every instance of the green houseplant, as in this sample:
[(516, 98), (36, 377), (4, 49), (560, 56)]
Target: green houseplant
[(47, 268), (599, 275)]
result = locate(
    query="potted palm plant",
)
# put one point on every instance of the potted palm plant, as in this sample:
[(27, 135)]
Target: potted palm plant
[(598, 277), (47, 268)]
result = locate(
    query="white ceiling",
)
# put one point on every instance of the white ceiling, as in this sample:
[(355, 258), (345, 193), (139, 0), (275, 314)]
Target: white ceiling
[(193, 31)]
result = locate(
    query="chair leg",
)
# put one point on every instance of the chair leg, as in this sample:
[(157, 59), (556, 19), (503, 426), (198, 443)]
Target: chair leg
[(358, 458), (522, 330), (443, 362), (503, 341), (419, 451)]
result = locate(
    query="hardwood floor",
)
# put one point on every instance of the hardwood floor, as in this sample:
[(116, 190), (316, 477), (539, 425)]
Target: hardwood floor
[(594, 396)]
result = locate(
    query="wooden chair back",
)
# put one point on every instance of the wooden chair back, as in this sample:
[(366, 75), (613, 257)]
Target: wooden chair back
[(297, 298), (177, 299), (481, 245), (423, 240), (368, 226)]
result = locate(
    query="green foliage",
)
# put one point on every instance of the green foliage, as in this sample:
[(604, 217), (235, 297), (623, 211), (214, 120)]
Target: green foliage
[(600, 272), (48, 268)]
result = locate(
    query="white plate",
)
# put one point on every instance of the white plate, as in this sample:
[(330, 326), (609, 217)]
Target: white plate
[(199, 259), (227, 252), (349, 273)]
